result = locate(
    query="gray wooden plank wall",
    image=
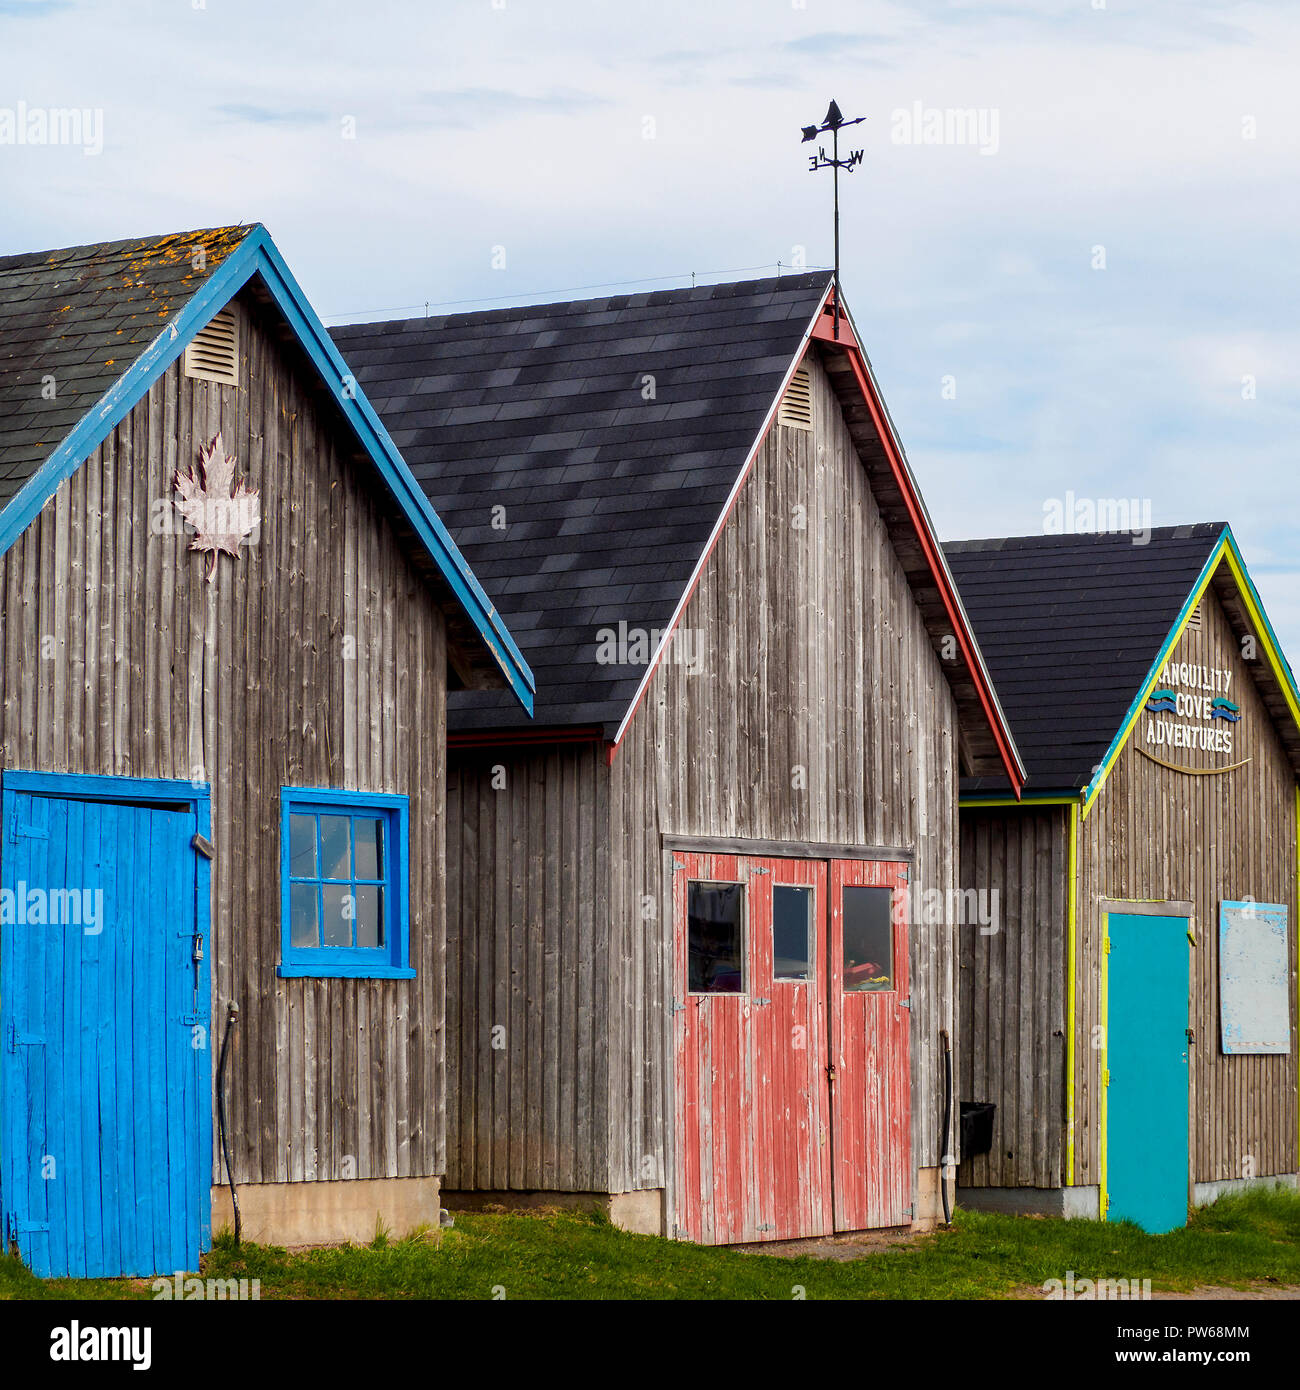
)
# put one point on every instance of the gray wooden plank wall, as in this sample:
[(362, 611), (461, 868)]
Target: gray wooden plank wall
[(529, 957), (120, 659), (1011, 993), (815, 657), (1158, 834)]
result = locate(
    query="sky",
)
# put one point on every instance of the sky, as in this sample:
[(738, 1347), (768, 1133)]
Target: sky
[(1084, 294)]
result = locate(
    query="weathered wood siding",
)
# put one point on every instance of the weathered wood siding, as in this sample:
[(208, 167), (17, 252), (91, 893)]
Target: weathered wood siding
[(316, 659), (821, 713), (528, 961), (1011, 1001), (1154, 833)]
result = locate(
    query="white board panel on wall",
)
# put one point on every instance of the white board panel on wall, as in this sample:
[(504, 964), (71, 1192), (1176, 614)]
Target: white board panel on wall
[(1254, 993)]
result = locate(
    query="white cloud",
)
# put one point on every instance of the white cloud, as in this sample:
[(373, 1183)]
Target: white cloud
[(525, 127)]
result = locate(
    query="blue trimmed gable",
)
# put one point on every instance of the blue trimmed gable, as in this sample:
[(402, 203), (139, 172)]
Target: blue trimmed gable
[(153, 288)]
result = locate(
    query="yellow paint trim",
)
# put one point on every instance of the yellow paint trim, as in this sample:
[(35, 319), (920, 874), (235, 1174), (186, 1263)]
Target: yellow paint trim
[(971, 803), (1262, 632), (1295, 926), (1224, 552), (1103, 1111), (1154, 679), (1071, 1008)]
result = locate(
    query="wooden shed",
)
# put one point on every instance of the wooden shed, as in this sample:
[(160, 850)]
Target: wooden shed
[(228, 621), (1133, 1014), (687, 978)]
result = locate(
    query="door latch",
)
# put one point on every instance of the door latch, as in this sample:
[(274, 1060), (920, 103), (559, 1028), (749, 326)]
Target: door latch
[(197, 956)]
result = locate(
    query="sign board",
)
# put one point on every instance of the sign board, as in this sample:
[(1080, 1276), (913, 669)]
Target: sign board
[(1254, 998), (1190, 708)]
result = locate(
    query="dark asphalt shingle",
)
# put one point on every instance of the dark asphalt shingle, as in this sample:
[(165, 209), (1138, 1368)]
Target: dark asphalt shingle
[(1069, 626), (610, 431), (75, 320)]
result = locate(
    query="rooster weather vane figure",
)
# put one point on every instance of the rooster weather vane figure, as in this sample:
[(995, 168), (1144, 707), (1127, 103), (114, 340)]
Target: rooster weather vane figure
[(834, 122)]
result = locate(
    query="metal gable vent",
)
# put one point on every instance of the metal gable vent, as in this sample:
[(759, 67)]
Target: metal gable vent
[(213, 355), (795, 409), (1194, 622)]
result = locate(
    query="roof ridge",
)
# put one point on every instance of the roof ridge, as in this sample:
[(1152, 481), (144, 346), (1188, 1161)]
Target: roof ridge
[(93, 249), (1192, 530), (802, 281)]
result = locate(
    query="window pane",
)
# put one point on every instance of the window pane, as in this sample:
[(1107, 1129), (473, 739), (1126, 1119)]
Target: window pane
[(370, 847), (335, 847), (868, 939), (791, 920), (340, 908), (304, 930), (716, 939), (302, 846), (370, 916)]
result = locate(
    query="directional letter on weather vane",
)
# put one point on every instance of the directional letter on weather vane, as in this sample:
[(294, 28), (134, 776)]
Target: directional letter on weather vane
[(834, 122)]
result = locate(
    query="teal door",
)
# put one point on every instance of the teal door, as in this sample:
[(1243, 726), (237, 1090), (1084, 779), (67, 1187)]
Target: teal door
[(104, 1077), (1146, 1132)]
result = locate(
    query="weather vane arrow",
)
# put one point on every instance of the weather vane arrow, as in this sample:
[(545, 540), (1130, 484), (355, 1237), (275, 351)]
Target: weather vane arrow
[(834, 122)]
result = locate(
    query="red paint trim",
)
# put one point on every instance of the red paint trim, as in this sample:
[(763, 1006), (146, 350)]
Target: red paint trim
[(929, 545), (822, 330), (520, 738), (720, 526), (824, 327)]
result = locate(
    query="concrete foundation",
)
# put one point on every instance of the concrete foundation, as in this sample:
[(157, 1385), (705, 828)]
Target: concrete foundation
[(639, 1212), (328, 1213), (1206, 1192), (927, 1205), (1072, 1203)]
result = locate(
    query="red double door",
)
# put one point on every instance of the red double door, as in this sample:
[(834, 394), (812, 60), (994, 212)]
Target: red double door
[(792, 1084)]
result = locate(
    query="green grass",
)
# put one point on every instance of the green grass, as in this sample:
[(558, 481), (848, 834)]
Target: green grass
[(1240, 1241)]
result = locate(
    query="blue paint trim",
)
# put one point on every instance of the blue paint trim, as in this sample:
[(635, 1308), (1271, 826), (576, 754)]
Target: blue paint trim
[(1227, 542), (207, 1072), (390, 962), (401, 483), (1259, 607), (257, 255), (166, 792), (84, 786), (345, 972), (1170, 641), (126, 392)]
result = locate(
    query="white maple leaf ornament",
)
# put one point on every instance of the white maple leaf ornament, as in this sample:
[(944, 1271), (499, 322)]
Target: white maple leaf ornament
[(222, 513)]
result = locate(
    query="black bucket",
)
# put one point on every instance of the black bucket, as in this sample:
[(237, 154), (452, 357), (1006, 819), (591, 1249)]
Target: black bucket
[(976, 1127)]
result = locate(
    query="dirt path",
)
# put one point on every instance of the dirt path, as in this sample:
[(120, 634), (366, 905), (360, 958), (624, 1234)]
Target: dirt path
[(850, 1247)]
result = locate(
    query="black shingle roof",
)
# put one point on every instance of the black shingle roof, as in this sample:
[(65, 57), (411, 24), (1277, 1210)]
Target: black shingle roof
[(610, 432), (75, 320), (1069, 627)]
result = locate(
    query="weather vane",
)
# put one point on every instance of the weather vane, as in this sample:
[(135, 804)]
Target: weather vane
[(834, 122)]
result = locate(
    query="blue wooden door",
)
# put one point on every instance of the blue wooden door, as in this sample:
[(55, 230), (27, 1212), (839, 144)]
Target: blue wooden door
[(1147, 1097), (104, 1162)]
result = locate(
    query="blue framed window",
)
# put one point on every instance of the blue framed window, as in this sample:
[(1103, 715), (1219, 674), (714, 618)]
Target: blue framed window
[(344, 883)]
